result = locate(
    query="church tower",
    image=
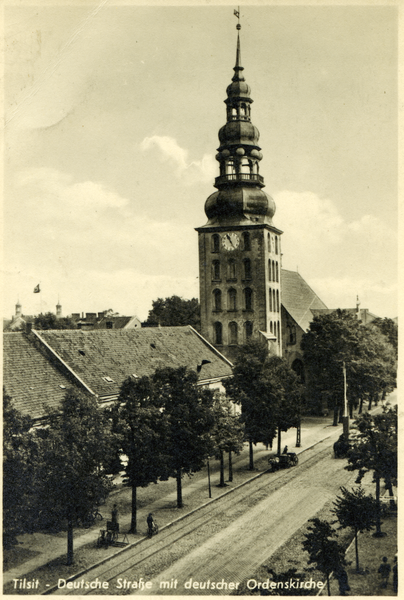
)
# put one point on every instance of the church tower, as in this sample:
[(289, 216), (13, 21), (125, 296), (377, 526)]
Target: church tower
[(239, 247)]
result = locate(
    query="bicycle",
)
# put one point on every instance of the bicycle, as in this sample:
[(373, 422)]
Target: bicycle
[(154, 530)]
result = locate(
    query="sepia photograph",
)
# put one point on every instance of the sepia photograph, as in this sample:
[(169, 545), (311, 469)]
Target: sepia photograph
[(200, 298)]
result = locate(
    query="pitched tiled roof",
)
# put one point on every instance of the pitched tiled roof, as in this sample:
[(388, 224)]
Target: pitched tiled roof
[(31, 380), (119, 353), (298, 298)]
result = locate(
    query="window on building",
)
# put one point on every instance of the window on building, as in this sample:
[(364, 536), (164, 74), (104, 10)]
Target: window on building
[(277, 271), (271, 327), (277, 300), (279, 333), (248, 330), (232, 299), (231, 269), (273, 300), (218, 333), (270, 300), (247, 268), (109, 325), (291, 328), (248, 298), (269, 271), (269, 242), (217, 300), (215, 242), (233, 333), (216, 270), (246, 241), (276, 245)]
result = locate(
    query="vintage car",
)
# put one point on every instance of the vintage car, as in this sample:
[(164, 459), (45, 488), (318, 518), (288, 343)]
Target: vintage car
[(284, 461)]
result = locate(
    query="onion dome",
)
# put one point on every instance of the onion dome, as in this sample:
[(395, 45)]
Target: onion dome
[(240, 198)]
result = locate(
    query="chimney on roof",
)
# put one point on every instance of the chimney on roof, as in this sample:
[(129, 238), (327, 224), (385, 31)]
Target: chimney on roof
[(358, 310), (28, 327), (18, 309)]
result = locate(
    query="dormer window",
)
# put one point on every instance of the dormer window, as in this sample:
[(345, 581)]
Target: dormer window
[(108, 380)]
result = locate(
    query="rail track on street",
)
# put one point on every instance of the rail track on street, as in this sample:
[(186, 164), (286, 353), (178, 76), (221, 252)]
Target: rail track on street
[(143, 560)]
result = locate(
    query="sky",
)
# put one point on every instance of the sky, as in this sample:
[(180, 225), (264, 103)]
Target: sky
[(112, 112)]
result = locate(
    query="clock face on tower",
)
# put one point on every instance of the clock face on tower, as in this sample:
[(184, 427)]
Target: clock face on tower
[(230, 241)]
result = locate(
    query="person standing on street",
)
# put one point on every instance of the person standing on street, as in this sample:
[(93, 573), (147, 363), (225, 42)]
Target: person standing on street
[(384, 571), (150, 524)]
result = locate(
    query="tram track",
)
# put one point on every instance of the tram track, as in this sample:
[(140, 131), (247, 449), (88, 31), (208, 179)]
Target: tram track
[(123, 565)]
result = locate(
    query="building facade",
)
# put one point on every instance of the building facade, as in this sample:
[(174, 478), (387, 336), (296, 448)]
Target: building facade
[(240, 247)]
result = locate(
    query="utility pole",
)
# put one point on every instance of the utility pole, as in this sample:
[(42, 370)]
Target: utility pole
[(345, 416)]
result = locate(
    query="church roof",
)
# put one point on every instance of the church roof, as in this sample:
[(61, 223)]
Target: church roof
[(365, 316), (298, 298), (39, 366)]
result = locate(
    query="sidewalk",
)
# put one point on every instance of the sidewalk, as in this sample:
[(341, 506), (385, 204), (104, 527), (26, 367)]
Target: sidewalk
[(41, 548)]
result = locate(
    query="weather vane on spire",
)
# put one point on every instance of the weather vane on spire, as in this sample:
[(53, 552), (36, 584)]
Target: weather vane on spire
[(237, 13)]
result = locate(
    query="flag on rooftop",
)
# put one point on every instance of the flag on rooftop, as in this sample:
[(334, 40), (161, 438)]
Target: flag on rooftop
[(37, 289)]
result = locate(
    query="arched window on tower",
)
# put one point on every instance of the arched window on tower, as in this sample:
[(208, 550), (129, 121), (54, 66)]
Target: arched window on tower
[(245, 166), (277, 300), (274, 300), (269, 270), (217, 300), (279, 333), (248, 298), (232, 299), (269, 242), (276, 245), (216, 270), (230, 167), (233, 333), (215, 242), (277, 271), (248, 330), (218, 333), (247, 268), (231, 269), (270, 300), (271, 327), (246, 241)]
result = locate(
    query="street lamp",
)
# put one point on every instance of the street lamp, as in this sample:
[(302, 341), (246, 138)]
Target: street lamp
[(345, 416)]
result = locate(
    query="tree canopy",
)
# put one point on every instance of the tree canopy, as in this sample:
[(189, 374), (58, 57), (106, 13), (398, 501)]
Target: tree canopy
[(374, 448), (338, 339), (189, 420), (51, 321), (268, 391), (139, 424), (174, 311), (71, 479)]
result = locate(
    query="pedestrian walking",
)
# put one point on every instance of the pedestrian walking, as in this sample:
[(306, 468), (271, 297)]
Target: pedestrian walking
[(285, 450), (114, 515), (342, 577), (384, 571), (395, 575), (150, 523)]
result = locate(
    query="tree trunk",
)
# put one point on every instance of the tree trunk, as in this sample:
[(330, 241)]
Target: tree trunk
[(251, 466), (356, 551), (378, 532), (279, 442), (69, 541), (230, 468), (179, 489), (340, 413), (133, 524), (391, 493), (360, 405), (351, 411), (335, 421), (222, 483), (370, 402)]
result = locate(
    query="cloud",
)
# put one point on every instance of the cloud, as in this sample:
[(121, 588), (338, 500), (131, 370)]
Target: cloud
[(189, 172)]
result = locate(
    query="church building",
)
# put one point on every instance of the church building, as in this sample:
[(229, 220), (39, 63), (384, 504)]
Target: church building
[(240, 247)]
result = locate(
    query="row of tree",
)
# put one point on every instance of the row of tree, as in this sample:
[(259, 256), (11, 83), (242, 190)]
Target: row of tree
[(164, 425), (369, 354)]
